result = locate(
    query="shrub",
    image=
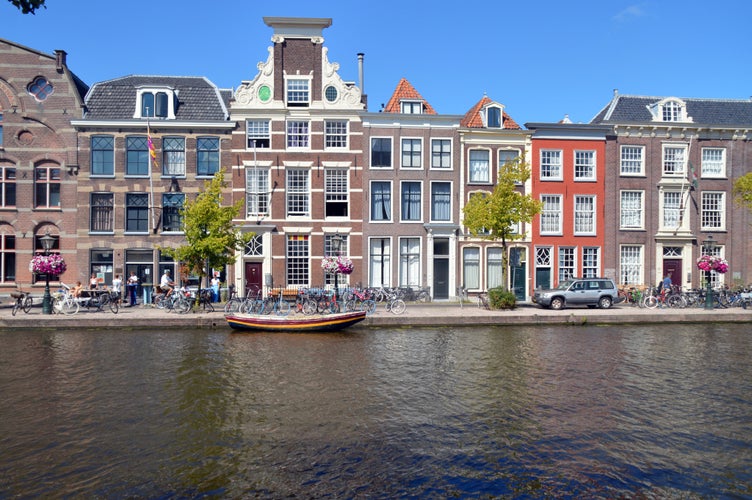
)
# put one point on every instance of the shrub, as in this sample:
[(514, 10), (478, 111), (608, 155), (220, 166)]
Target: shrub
[(499, 298)]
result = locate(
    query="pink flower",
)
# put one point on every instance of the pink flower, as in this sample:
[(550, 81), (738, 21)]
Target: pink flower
[(712, 263), (48, 264)]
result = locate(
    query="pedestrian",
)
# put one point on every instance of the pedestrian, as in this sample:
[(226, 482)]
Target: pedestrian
[(667, 283), (117, 287), (132, 288), (215, 288), (93, 282)]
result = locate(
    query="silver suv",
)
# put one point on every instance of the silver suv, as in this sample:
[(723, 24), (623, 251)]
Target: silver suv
[(591, 292)]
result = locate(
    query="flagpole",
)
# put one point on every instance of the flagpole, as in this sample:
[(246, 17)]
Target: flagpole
[(151, 174), (684, 181)]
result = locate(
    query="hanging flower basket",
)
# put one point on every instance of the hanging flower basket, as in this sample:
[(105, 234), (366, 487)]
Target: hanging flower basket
[(333, 265), (52, 264), (712, 263)]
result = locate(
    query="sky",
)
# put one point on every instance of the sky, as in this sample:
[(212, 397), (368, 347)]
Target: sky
[(543, 60)]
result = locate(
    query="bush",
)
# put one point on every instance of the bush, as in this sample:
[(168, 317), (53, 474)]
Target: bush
[(499, 298)]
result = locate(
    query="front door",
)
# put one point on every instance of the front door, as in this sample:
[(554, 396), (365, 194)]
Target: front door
[(672, 266), (253, 276), (440, 288)]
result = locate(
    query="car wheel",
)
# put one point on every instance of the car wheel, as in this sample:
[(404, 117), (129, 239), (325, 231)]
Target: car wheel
[(605, 302), (557, 303)]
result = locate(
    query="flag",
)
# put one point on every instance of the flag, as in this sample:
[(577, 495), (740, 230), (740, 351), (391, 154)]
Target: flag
[(152, 151), (693, 182)]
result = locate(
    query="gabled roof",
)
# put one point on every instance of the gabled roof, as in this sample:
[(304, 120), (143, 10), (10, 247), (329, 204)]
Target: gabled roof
[(198, 98), (710, 112), (474, 119), (406, 92)]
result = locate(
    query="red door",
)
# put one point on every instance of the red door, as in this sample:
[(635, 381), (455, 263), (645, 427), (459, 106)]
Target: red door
[(672, 266), (253, 278)]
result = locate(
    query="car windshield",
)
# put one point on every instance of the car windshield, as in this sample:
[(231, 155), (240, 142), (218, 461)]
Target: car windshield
[(564, 285)]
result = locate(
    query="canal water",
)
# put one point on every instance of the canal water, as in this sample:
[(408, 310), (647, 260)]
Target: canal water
[(511, 412)]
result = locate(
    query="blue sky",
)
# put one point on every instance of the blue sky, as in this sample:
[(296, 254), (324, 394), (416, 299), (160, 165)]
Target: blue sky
[(542, 60)]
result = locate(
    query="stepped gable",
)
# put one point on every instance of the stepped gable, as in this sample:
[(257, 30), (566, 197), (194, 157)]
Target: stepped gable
[(635, 109), (473, 118), (406, 92), (198, 98)]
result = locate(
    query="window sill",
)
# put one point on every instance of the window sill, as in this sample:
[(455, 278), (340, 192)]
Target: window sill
[(101, 233), (135, 233)]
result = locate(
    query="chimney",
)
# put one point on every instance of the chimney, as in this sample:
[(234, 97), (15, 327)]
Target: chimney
[(60, 56), (360, 73)]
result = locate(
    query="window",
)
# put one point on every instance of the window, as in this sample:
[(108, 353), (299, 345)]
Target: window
[(672, 111), (673, 160), (7, 187), (671, 209), (380, 262), (136, 156), (102, 155), (632, 160), (172, 203), (173, 156), (713, 162), (298, 92), (471, 268), (381, 201), (102, 207), (257, 134), (550, 217), (584, 214), (207, 156), (136, 213), (336, 195), (47, 187), (335, 134), (255, 247), (714, 278), (411, 107), (630, 264), (155, 104), (411, 153), (550, 164), (409, 272), (591, 262), (297, 134), (713, 213), (410, 201), (441, 153), (256, 192), (584, 165), (40, 88), (567, 263), (7, 256), (1, 130), (479, 166), (298, 192), (506, 156), (494, 265), (441, 201), (493, 117), (381, 152), (101, 265), (298, 271), (632, 210), (331, 93)]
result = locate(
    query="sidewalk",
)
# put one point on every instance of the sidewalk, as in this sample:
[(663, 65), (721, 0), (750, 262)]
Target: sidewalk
[(428, 315)]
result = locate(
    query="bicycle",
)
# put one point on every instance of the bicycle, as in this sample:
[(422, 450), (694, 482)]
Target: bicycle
[(204, 298), (64, 302), (101, 300), (483, 301), (394, 304), (23, 301)]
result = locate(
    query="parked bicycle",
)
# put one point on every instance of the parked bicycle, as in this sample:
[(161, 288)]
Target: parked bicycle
[(23, 301)]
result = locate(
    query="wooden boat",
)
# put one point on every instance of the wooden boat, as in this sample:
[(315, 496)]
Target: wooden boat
[(297, 323)]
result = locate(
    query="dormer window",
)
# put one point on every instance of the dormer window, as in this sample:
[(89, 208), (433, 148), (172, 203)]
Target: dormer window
[(411, 107), (156, 103), (298, 92), (669, 110), (493, 117)]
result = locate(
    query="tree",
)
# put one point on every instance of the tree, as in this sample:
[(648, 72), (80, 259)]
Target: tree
[(497, 215), (211, 237), (28, 6), (743, 191)]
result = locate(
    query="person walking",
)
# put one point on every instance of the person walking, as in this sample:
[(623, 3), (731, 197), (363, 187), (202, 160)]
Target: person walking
[(117, 287), (132, 288), (215, 288)]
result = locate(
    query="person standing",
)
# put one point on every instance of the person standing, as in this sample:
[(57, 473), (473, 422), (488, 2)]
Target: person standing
[(117, 287), (132, 288), (93, 282), (215, 288)]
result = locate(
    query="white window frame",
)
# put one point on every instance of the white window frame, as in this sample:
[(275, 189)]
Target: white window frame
[(409, 261), (631, 160), (585, 165), (471, 266), (336, 191), (671, 212), (477, 172), (259, 131), (674, 160), (298, 91), (411, 107), (391, 153), (419, 217), (551, 214), (298, 194), (631, 265), (591, 262), (713, 203), (584, 215), (551, 166), (713, 163), (441, 159), (434, 205), (414, 154), (298, 135), (567, 263), (390, 207), (336, 134), (256, 192), (380, 261), (631, 209)]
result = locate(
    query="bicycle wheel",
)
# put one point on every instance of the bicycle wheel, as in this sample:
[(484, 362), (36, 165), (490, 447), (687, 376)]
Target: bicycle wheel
[(69, 306), (208, 306), (398, 306), (160, 302), (282, 308), (369, 306), (113, 305), (334, 307), (16, 307), (651, 302), (309, 307), (233, 305), (676, 302), (27, 304), (182, 305)]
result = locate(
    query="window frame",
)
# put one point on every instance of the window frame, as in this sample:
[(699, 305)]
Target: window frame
[(549, 170), (587, 217), (553, 213), (137, 156), (102, 214), (631, 267), (51, 183), (706, 162), (379, 155), (567, 263), (627, 164), (8, 256), (172, 204), (380, 261), (8, 186), (671, 164), (378, 197), (471, 265), (410, 200), (257, 192), (298, 259), (718, 208), (336, 134), (258, 131), (298, 135), (444, 202), (174, 157), (625, 214), (136, 213), (409, 261), (585, 165), (411, 157), (297, 91), (207, 155), (336, 192), (477, 172), (298, 196), (441, 156), (102, 159)]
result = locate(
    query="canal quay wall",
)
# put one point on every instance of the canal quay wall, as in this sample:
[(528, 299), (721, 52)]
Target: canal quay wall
[(436, 314)]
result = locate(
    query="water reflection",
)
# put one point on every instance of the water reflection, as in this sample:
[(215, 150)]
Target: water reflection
[(535, 412)]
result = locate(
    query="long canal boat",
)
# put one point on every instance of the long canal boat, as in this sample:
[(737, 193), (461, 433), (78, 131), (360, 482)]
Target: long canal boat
[(303, 324)]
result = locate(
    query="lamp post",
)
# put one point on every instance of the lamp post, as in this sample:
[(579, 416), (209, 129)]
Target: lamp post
[(707, 247), (337, 240), (47, 242)]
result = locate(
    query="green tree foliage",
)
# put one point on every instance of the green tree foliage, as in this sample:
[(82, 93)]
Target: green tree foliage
[(211, 238), (28, 6), (743, 191), (496, 216)]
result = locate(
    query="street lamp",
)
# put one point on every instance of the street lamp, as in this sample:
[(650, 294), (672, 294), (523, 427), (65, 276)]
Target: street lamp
[(707, 248), (47, 242), (336, 242)]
